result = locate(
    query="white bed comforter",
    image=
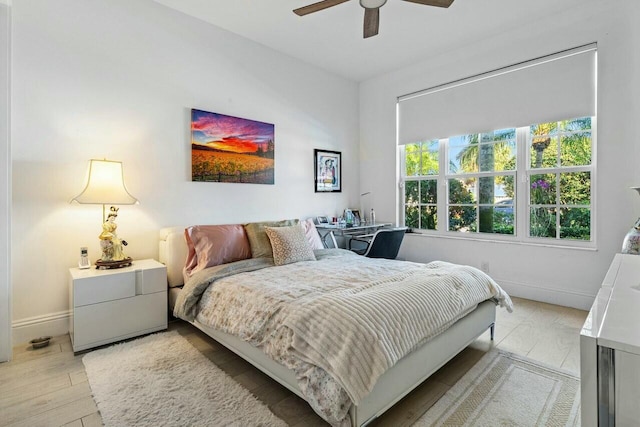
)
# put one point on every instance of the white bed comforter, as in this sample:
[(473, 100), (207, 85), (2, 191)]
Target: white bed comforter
[(339, 322)]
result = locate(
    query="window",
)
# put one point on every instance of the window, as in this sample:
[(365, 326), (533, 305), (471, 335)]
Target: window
[(559, 177), (527, 183), (505, 154), (480, 167), (422, 168)]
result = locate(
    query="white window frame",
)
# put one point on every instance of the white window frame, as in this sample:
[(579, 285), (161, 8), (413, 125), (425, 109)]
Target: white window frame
[(522, 173), (420, 178), (461, 176)]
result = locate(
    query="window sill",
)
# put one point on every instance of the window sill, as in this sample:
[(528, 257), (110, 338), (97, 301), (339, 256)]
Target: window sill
[(590, 247)]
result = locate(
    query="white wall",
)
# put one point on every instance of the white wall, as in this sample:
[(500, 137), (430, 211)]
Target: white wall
[(116, 79), (5, 190), (561, 276)]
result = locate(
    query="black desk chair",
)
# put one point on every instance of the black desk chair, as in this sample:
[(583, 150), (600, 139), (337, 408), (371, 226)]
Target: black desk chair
[(384, 243)]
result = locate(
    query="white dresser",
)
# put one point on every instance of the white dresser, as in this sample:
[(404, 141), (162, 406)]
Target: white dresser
[(610, 349), (111, 305)]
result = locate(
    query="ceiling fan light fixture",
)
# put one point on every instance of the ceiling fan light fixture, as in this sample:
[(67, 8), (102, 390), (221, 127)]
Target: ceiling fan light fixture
[(372, 4), (371, 10)]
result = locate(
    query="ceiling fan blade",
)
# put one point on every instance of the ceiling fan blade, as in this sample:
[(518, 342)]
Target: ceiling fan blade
[(371, 22), (438, 3), (315, 7)]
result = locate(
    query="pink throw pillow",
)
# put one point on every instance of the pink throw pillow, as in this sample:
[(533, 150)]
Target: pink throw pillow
[(211, 245), (312, 235)]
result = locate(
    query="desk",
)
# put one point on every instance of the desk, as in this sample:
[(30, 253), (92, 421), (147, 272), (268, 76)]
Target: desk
[(325, 230)]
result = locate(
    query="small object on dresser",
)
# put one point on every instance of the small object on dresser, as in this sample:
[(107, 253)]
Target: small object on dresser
[(107, 265), (631, 243), (40, 342), (112, 246), (372, 217), (84, 258)]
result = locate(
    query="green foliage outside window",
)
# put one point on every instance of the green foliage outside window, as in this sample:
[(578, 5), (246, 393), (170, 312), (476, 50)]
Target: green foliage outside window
[(461, 217), (486, 152), (559, 199), (561, 144), (420, 204), (421, 196)]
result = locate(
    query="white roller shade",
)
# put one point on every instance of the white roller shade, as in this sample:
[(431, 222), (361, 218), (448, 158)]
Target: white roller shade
[(556, 87)]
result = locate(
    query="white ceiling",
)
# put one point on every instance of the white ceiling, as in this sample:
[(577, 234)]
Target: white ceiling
[(332, 38)]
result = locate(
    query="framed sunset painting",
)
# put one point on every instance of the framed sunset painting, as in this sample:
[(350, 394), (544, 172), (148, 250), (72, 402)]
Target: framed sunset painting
[(231, 149)]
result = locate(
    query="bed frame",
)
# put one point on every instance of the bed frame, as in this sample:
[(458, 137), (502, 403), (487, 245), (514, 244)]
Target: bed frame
[(392, 386)]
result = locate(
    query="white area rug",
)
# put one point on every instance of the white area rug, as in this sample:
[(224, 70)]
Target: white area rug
[(506, 390), (162, 380)]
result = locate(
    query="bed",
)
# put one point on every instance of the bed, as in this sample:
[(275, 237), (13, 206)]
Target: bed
[(405, 372)]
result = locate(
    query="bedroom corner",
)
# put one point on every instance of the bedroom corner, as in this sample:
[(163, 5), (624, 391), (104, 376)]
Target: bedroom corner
[(130, 100)]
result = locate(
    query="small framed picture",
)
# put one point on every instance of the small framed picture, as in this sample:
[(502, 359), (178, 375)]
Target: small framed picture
[(327, 171), (322, 220), (356, 215)]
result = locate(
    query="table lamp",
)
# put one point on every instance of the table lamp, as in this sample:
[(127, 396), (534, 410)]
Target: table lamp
[(365, 217), (105, 186)]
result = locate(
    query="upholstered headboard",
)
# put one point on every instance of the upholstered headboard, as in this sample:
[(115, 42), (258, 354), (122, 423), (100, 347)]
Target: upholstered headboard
[(218, 244), (173, 253)]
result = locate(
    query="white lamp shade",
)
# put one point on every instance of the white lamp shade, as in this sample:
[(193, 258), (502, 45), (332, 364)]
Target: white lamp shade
[(105, 185)]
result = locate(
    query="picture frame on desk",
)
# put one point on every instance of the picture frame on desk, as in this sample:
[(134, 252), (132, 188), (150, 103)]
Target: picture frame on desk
[(322, 220), (356, 215)]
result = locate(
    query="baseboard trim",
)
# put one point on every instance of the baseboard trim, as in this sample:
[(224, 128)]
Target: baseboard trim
[(580, 300), (52, 324)]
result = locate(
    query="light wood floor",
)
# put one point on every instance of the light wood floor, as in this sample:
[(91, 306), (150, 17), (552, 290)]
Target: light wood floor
[(48, 387)]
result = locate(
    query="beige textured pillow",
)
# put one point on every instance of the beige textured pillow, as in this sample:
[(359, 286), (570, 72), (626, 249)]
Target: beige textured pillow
[(289, 245), (258, 240)]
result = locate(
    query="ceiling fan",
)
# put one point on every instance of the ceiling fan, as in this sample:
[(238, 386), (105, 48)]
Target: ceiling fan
[(371, 10)]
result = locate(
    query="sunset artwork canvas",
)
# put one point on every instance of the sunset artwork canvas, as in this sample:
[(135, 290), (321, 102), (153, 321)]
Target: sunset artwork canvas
[(231, 149)]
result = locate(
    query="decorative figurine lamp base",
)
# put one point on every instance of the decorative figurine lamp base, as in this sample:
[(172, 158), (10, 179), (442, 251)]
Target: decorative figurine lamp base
[(105, 185), (106, 265)]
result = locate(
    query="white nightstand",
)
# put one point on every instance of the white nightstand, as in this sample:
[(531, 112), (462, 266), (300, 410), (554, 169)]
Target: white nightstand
[(112, 305)]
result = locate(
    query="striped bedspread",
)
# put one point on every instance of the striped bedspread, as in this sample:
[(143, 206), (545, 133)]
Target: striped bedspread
[(357, 334), (337, 322)]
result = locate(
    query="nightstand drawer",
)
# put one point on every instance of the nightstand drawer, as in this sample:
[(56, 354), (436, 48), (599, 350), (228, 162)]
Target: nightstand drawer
[(115, 320), (105, 287), (151, 280)]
